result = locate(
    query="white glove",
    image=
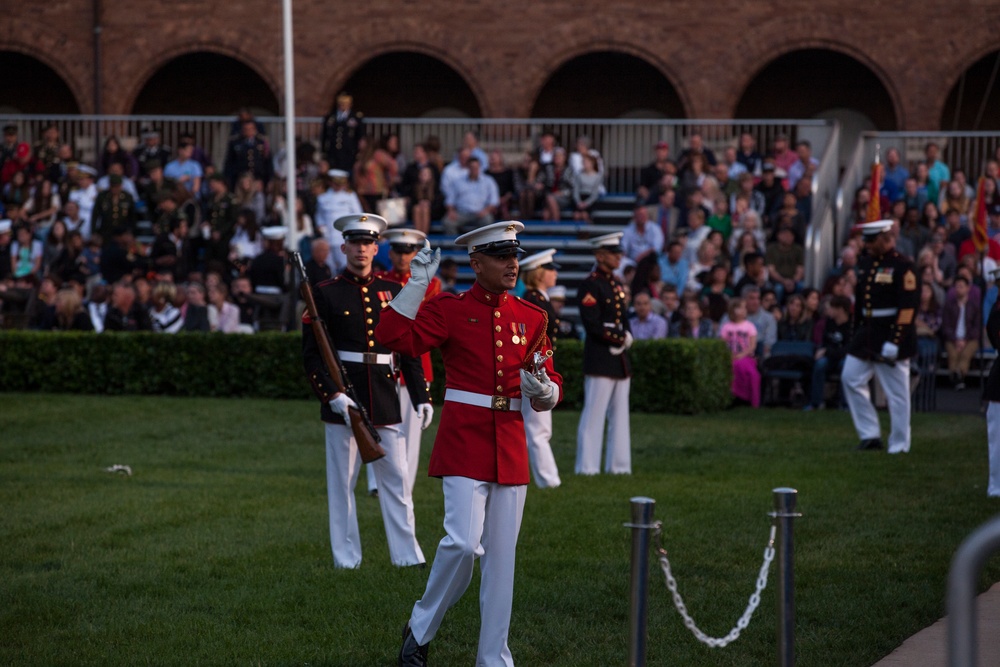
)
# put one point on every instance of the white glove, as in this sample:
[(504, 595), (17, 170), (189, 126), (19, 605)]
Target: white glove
[(340, 403), (628, 340), (542, 392), (425, 411), (890, 351), (422, 269)]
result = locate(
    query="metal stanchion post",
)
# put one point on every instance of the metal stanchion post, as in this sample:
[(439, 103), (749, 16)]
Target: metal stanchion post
[(784, 512), (966, 566), (642, 519)]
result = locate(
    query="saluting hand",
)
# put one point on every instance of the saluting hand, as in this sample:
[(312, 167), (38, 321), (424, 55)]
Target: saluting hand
[(424, 265)]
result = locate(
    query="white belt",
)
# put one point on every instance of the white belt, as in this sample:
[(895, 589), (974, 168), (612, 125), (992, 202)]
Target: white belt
[(500, 403), (267, 289), (366, 358), (880, 312)]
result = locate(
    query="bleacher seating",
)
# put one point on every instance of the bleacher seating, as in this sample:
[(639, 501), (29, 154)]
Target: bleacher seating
[(611, 214)]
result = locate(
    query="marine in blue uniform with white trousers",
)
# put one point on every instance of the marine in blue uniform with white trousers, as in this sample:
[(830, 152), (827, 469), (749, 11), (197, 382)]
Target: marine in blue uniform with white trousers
[(607, 369), (350, 304), (885, 303)]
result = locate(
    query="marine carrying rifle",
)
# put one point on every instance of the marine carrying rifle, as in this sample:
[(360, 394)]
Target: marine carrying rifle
[(364, 431)]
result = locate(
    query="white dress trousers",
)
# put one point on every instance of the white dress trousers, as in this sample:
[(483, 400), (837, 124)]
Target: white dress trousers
[(409, 430), (993, 437), (604, 398), (481, 520), (538, 433), (895, 380), (343, 463)]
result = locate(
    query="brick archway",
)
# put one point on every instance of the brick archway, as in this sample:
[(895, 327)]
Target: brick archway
[(38, 45)]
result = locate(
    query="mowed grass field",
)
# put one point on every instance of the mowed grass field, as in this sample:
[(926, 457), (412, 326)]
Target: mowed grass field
[(216, 550)]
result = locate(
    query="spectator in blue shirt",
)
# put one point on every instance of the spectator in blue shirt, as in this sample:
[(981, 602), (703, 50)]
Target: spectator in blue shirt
[(646, 325), (673, 267), (471, 200)]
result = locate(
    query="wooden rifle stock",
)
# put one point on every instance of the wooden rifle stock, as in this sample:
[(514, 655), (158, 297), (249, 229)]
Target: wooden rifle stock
[(364, 431)]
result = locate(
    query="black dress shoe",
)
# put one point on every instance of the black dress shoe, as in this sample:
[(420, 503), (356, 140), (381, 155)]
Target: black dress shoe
[(412, 654), (870, 443)]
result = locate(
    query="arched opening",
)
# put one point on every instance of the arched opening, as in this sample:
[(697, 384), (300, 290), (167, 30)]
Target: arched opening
[(974, 101), (608, 84), (407, 84), (818, 83), (207, 84), (31, 86)]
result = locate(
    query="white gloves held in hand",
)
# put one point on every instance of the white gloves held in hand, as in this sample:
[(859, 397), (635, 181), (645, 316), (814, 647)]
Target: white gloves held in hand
[(543, 393), (624, 346), (890, 351), (340, 403), (425, 411)]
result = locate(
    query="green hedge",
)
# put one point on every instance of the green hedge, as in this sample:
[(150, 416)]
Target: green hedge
[(675, 376)]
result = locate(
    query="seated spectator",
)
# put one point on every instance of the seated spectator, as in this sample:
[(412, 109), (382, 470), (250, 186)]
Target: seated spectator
[(128, 185), (770, 187), (163, 315), (754, 197), (113, 208), (961, 322), (114, 154), (740, 336), (811, 304), (427, 201), (912, 235), (786, 262), (26, 253), (749, 224), (957, 232), (246, 242), (587, 187), (471, 201), (223, 316), (913, 197), (795, 324), (172, 251), (557, 184), (124, 313), (640, 236), (699, 273), (646, 325), (956, 199), (692, 324), (720, 220), (671, 304), (576, 158), (375, 172), (53, 245), (185, 170), (696, 146), (832, 336), (748, 155), (674, 268), (195, 309), (761, 318), (754, 273), (697, 232), (804, 166), (68, 314), (42, 208), (248, 195)]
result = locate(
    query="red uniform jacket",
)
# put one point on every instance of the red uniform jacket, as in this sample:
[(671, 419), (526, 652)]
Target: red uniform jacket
[(476, 331), (432, 291)]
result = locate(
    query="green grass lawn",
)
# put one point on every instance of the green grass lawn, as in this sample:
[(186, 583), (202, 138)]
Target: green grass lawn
[(216, 550)]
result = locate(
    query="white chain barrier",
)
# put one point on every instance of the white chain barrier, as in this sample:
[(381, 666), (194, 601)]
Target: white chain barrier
[(752, 604)]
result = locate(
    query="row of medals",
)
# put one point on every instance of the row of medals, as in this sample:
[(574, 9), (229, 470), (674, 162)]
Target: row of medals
[(515, 339)]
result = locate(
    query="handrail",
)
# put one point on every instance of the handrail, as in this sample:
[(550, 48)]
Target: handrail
[(966, 566)]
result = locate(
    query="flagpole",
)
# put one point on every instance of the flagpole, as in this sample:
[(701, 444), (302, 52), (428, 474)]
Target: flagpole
[(290, 217)]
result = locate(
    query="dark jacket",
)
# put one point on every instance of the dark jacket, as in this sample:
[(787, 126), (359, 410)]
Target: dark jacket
[(602, 311)]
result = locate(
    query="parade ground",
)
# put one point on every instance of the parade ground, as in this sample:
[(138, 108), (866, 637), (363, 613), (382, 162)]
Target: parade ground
[(215, 549)]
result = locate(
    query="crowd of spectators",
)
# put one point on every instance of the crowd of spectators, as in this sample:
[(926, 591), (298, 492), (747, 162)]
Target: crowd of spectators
[(712, 238), (160, 238)]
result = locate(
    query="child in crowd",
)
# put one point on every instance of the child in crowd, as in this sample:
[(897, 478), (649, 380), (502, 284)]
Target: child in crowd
[(741, 337)]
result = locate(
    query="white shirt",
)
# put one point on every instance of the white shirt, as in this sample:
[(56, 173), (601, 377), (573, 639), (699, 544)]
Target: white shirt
[(85, 199), (636, 243)]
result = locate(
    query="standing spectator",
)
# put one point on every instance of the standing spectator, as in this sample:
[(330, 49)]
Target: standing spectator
[(8, 148), (149, 152), (938, 173), (342, 129), (375, 173), (557, 183), (421, 186), (113, 208), (113, 153), (961, 321), (928, 325), (336, 202), (740, 336), (748, 156), (646, 325), (651, 176), (248, 152), (895, 175), (85, 196), (992, 395), (606, 365), (504, 177)]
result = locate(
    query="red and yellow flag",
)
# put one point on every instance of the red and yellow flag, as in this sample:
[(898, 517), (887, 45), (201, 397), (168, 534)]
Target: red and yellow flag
[(875, 203), (980, 238)]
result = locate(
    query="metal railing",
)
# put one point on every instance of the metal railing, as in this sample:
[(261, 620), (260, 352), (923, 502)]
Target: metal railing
[(966, 566), (625, 145), (821, 236)]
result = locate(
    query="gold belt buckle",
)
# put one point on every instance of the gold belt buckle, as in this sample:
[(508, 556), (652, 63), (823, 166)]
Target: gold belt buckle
[(370, 357), (501, 403)]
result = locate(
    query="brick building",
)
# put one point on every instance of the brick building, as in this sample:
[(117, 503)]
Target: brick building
[(891, 65)]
